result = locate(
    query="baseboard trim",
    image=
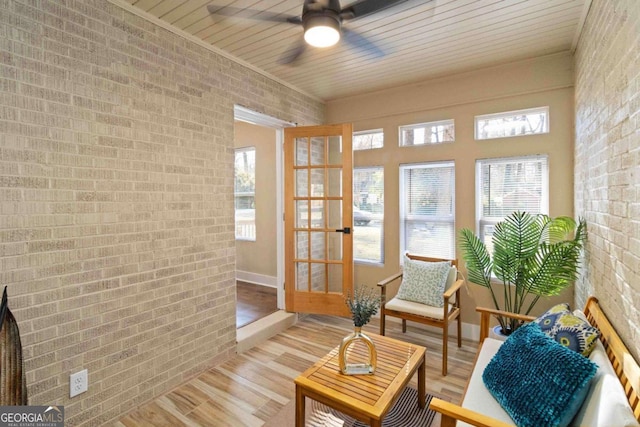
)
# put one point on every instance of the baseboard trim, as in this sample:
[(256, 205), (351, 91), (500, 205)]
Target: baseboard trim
[(257, 279)]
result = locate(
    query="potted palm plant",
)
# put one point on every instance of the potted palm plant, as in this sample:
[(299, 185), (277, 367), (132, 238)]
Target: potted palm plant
[(533, 256)]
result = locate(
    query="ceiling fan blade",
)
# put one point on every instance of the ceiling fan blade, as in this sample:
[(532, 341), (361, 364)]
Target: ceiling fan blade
[(361, 43), (236, 12), (292, 54), (367, 7)]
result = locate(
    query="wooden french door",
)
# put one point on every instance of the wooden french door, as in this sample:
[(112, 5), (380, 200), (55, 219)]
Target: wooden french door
[(318, 218)]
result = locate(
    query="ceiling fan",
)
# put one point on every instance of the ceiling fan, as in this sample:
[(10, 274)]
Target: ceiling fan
[(322, 22)]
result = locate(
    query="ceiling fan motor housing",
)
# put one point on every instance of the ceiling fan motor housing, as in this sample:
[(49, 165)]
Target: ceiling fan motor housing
[(315, 14)]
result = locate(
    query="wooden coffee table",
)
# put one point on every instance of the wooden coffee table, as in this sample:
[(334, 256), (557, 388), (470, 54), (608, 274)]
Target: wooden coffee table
[(367, 398)]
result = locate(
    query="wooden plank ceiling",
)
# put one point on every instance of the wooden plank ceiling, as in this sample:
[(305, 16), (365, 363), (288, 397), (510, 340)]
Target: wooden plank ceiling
[(420, 39)]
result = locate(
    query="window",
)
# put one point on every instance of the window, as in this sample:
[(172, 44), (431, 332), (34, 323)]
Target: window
[(513, 123), (507, 185), (245, 193), (427, 133), (368, 213), (427, 209), (368, 139)]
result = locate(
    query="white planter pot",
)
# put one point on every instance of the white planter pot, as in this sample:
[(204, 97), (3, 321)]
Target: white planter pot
[(497, 334)]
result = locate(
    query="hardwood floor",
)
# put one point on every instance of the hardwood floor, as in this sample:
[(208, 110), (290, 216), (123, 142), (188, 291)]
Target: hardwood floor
[(252, 387), (254, 302)]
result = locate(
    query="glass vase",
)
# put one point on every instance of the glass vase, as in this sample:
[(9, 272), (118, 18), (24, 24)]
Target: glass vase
[(361, 368)]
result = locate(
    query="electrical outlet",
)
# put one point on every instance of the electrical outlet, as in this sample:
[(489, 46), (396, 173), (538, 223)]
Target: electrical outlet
[(79, 383)]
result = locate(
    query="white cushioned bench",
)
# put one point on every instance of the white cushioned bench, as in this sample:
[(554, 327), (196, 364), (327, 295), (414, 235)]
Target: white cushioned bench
[(612, 401)]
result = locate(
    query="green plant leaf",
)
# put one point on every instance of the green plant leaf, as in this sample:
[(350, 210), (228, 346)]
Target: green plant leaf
[(514, 240), (476, 257), (560, 229), (363, 304), (554, 268), (533, 256)]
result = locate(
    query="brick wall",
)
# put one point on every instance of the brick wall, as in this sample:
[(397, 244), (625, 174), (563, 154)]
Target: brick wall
[(116, 199), (607, 161)]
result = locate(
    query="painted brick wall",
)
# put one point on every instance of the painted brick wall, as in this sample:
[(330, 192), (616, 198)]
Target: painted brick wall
[(607, 161), (116, 199)]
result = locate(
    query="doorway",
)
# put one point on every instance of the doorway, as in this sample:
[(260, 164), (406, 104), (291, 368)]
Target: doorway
[(259, 213)]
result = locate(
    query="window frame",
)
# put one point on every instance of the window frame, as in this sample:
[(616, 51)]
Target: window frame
[(425, 125), (503, 114), (367, 132), (382, 253), (481, 221), (245, 194), (450, 219)]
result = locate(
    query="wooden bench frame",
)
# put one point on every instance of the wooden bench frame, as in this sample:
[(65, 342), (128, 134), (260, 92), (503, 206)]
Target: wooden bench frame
[(625, 366)]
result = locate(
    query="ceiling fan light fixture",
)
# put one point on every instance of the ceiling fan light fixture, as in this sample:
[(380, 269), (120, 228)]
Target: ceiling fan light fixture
[(322, 31)]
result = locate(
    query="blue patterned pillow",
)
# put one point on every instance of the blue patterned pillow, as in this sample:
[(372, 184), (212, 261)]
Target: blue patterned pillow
[(547, 320), (568, 329), (576, 334), (539, 382), (424, 282)]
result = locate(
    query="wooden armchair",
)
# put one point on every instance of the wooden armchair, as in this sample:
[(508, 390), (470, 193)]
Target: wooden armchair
[(439, 317)]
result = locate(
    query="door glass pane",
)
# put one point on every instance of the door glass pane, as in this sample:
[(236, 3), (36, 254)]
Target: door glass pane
[(335, 150), (334, 252), (302, 214), (302, 245), (302, 276), (335, 278), (317, 150), (318, 245), (335, 182), (318, 277), (317, 214), (302, 182), (334, 214), (317, 182), (302, 152)]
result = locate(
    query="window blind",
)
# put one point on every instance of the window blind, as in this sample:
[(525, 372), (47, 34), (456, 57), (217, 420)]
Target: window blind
[(508, 185), (427, 223)]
